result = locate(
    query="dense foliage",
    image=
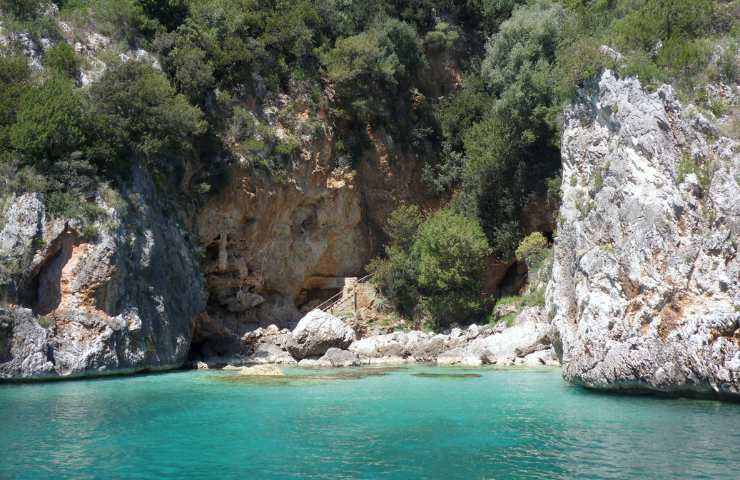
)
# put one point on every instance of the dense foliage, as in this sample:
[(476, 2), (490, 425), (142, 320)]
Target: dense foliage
[(434, 264), (489, 138)]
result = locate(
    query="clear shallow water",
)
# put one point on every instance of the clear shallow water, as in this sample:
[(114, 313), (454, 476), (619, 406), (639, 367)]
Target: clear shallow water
[(396, 424)]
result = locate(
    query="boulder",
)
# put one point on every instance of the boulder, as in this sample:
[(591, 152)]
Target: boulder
[(524, 336), (463, 357), (415, 345), (317, 332), (540, 358), (335, 357), (269, 353)]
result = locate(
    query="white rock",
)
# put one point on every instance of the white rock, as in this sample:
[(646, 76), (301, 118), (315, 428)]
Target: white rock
[(644, 290), (317, 332)]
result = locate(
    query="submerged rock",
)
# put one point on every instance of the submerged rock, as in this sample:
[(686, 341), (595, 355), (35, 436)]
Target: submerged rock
[(262, 370), (644, 292), (316, 333)]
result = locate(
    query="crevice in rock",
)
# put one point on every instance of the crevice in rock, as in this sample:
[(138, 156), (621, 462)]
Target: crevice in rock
[(42, 292)]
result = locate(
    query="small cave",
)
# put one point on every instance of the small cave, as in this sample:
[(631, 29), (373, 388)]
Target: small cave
[(43, 292), (211, 255), (514, 280), (309, 299), (212, 339), (317, 290), (212, 347)]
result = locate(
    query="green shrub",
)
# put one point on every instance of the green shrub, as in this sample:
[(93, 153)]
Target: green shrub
[(451, 250), (45, 321), (443, 37), (704, 171), (719, 108), (22, 9), (396, 278), (532, 249), (729, 71), (49, 122), (62, 59), (140, 115), (402, 226)]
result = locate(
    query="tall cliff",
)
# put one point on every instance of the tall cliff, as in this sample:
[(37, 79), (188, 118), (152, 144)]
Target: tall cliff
[(645, 290), (275, 247), (119, 297)]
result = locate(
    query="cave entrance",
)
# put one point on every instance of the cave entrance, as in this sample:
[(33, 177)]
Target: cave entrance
[(318, 290), (43, 292)]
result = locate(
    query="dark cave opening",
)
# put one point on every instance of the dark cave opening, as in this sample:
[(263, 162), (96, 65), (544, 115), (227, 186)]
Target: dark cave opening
[(42, 293)]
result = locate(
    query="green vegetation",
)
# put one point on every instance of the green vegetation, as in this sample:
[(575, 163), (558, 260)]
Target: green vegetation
[(435, 265), (704, 171), (488, 135), (532, 249), (451, 250)]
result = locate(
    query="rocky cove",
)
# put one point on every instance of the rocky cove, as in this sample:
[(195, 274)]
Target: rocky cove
[(277, 195), (643, 293), (385, 240)]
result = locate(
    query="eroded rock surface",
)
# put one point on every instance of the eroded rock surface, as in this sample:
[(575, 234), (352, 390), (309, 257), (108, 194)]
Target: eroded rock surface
[(119, 299), (644, 293)]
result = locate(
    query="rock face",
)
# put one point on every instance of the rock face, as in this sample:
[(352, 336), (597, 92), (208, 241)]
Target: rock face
[(119, 299), (644, 292), (276, 246), (317, 332)]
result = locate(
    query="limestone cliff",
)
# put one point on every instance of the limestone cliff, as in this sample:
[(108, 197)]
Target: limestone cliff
[(276, 246), (118, 297), (644, 292)]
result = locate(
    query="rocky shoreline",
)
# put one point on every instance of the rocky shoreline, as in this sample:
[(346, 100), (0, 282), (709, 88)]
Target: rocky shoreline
[(321, 340)]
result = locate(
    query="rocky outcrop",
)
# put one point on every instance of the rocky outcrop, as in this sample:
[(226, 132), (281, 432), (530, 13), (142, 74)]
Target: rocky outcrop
[(413, 345), (644, 292), (118, 295), (503, 346), (316, 333), (321, 340), (473, 346)]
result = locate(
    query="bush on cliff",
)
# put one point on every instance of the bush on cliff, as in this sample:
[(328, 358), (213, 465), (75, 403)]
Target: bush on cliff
[(139, 115), (532, 249)]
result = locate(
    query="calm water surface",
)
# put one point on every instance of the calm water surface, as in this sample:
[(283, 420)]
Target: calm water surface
[(417, 422)]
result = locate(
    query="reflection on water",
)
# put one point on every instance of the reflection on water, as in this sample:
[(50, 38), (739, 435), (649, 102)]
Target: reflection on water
[(390, 423)]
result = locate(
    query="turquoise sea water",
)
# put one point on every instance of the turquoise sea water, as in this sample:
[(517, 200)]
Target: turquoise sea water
[(416, 422)]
